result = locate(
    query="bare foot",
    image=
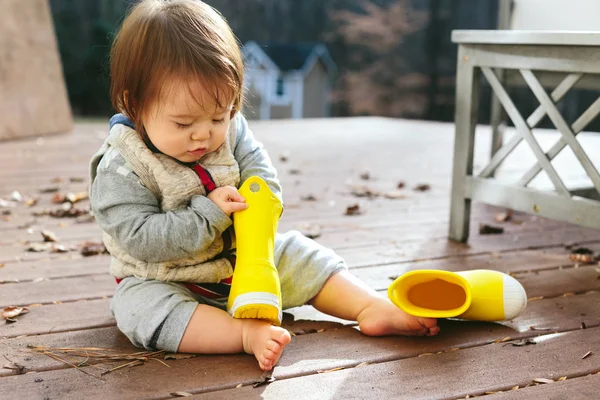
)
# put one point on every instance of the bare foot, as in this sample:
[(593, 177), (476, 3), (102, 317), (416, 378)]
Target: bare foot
[(381, 317), (265, 341)]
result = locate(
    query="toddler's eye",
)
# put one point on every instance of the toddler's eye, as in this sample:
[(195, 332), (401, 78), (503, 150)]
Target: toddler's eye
[(218, 121), (182, 126)]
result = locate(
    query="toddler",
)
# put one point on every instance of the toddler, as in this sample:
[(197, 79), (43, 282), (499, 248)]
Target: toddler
[(164, 187)]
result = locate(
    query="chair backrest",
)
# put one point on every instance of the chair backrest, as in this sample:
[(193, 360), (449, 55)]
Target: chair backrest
[(556, 15)]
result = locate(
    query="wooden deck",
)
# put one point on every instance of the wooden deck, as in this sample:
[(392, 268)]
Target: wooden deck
[(68, 294)]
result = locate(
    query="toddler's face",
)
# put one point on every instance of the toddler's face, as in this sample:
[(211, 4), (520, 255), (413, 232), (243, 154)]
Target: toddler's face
[(186, 127)]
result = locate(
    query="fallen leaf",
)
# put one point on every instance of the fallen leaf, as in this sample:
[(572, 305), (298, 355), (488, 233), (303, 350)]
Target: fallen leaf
[(18, 368), (39, 247), (49, 236), (49, 189), (523, 342), (6, 212), (353, 209), (401, 185), (422, 187), (362, 364), (363, 191), (505, 216), (264, 379), (515, 387), (583, 258), (543, 380), (533, 328), (1, 265), (325, 371), (181, 394), (76, 179), (283, 157), (304, 332), (365, 176), (583, 325), (179, 356), (311, 231), (239, 385), (68, 212), (589, 353), (562, 378), (59, 248), (7, 204), (12, 312), (536, 298), (31, 201), (16, 196), (485, 229), (394, 195), (92, 249), (308, 197)]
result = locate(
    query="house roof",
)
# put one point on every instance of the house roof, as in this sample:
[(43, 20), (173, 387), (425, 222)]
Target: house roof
[(293, 56), (289, 56)]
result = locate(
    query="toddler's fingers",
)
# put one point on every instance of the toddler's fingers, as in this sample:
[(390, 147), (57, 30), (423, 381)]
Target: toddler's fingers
[(235, 207)]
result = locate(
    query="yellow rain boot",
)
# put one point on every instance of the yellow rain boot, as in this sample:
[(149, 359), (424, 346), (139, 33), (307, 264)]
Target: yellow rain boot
[(479, 295), (255, 289)]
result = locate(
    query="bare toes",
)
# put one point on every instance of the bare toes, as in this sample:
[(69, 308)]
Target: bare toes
[(282, 336)]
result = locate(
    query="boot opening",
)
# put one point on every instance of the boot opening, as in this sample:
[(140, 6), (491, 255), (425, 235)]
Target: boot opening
[(437, 294)]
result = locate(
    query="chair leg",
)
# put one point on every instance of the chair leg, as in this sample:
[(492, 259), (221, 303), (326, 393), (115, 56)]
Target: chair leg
[(467, 88)]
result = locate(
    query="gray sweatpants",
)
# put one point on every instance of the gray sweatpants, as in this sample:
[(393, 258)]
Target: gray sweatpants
[(155, 314)]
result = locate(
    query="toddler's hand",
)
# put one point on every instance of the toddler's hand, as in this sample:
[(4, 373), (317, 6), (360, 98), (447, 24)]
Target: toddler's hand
[(228, 199)]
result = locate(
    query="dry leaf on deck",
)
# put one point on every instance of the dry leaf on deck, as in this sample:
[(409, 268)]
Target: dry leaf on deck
[(18, 368), (39, 247), (505, 216), (76, 179), (354, 209), (311, 231), (308, 197), (363, 191), (543, 380), (422, 187), (179, 356), (49, 236), (264, 379), (394, 195), (31, 201), (583, 255), (401, 185), (365, 176), (49, 189), (523, 342), (485, 229), (283, 157), (181, 394), (13, 312), (71, 212), (324, 371), (92, 249), (59, 248)]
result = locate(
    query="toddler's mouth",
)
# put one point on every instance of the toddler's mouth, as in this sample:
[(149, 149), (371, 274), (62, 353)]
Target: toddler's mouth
[(198, 152)]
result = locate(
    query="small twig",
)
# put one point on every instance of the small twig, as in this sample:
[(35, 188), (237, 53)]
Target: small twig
[(68, 363), (132, 363)]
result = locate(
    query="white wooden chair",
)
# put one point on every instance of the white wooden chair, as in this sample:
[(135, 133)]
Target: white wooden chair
[(540, 58)]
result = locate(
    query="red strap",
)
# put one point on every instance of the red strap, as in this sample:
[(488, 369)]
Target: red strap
[(205, 178)]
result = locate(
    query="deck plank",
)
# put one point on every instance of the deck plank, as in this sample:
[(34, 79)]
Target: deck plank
[(448, 375), (391, 237)]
